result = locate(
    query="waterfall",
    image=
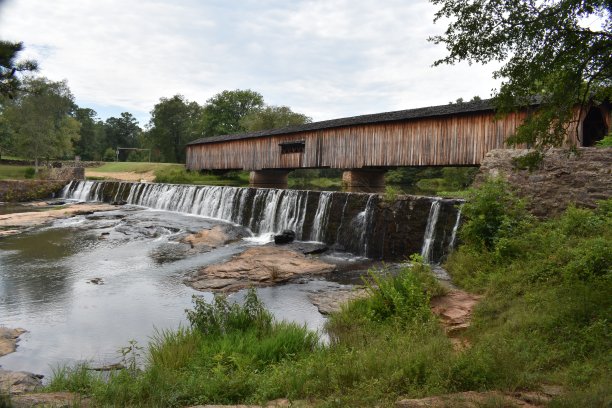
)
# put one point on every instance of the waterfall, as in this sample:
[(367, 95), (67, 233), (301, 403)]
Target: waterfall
[(356, 222), (430, 230), (451, 244), (364, 220), (321, 217)]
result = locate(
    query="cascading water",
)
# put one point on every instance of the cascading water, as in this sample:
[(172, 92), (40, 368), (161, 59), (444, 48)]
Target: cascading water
[(358, 223), (321, 216), (429, 237), (451, 244)]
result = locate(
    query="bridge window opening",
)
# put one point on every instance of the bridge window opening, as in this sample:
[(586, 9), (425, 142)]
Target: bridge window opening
[(593, 128), (292, 147)]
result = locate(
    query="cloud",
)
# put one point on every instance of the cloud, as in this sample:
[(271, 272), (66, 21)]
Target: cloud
[(326, 59)]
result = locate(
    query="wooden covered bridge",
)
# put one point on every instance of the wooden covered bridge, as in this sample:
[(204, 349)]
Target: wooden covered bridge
[(368, 145)]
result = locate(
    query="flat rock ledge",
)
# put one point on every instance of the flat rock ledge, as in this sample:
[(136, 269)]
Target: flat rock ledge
[(259, 266), (9, 339), (31, 219), (332, 301), (50, 400), (217, 236), (472, 399), (19, 382), (455, 312)]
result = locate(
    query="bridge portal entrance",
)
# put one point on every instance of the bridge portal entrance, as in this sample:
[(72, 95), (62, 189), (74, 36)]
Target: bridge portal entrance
[(594, 127)]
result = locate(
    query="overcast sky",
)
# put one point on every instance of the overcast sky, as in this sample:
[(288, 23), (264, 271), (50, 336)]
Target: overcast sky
[(327, 59)]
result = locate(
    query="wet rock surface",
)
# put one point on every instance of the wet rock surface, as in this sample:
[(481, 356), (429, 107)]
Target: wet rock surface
[(285, 237), (259, 266), (9, 339), (216, 236)]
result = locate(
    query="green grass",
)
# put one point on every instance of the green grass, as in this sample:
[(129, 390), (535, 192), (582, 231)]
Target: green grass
[(178, 175), (10, 172), (136, 167)]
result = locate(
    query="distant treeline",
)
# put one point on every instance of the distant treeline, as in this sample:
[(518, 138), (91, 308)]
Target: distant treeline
[(41, 120)]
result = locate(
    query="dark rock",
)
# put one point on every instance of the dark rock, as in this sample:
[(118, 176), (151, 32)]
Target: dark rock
[(119, 202), (285, 237), (308, 248)]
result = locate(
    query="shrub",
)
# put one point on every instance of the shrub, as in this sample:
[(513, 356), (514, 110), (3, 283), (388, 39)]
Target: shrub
[(221, 317), (492, 212), (402, 297), (30, 173)]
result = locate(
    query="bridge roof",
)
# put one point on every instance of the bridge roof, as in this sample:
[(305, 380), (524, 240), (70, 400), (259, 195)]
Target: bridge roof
[(394, 116)]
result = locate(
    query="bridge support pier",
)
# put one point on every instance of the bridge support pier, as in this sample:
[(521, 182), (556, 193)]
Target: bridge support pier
[(269, 178), (364, 180)]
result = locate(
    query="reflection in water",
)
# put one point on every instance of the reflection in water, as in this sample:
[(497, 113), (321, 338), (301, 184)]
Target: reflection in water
[(44, 287)]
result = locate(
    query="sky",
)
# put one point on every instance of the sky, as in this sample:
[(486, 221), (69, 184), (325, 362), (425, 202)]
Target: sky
[(327, 59)]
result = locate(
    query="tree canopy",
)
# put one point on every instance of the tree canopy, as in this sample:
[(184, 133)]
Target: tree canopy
[(223, 112), (41, 119), (10, 67), (122, 131), (273, 117), (173, 124), (556, 50)]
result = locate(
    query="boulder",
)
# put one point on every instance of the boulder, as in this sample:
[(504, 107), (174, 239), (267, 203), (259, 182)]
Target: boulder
[(285, 237), (9, 339), (19, 382), (331, 301), (259, 266), (217, 236)]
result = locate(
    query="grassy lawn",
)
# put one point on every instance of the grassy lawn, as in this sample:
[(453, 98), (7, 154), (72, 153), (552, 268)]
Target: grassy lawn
[(8, 172), (136, 167)]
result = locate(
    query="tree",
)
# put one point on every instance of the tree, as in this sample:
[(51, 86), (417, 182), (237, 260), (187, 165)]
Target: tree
[(273, 117), (41, 119), (122, 131), (9, 68), (173, 124), (224, 111), (92, 134), (557, 50)]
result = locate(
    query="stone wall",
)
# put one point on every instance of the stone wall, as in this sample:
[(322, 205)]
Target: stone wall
[(63, 173), (582, 177), (27, 190)]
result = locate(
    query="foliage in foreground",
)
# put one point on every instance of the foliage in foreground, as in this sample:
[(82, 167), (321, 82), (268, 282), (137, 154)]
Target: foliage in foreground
[(544, 319)]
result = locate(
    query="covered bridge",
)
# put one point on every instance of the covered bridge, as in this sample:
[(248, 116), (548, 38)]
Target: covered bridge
[(366, 146)]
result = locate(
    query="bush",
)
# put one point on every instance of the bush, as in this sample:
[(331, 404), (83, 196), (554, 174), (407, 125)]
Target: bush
[(221, 317), (30, 173), (492, 212)]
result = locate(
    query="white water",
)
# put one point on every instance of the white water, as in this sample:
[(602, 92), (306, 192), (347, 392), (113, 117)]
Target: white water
[(263, 211), (430, 230)]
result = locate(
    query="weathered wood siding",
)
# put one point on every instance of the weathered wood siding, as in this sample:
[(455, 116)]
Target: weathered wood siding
[(438, 141)]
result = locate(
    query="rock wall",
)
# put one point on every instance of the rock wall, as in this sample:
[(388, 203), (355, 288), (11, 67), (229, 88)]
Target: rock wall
[(63, 173), (26, 190), (582, 177)]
